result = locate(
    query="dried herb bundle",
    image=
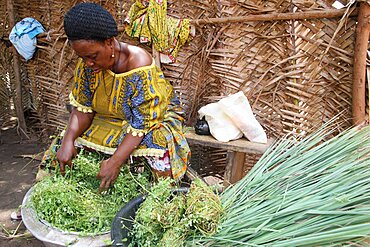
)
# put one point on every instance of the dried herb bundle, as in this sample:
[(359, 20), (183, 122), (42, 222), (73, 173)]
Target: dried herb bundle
[(167, 219)]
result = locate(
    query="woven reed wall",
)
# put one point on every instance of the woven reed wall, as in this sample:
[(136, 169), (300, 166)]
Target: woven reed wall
[(296, 74), (6, 109), (292, 81)]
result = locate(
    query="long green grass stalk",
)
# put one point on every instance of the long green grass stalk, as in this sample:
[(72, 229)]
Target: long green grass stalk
[(311, 192)]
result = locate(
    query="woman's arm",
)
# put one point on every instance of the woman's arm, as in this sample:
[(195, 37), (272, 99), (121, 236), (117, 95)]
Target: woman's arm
[(109, 169), (77, 124)]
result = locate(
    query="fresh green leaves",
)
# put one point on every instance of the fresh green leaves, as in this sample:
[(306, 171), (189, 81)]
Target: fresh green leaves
[(72, 203)]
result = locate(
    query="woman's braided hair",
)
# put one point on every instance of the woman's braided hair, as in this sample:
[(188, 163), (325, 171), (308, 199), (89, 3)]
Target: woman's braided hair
[(89, 21)]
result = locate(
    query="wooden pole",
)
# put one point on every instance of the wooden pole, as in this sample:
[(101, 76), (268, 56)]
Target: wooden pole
[(17, 72), (368, 94), (234, 167), (329, 13), (319, 14), (359, 65)]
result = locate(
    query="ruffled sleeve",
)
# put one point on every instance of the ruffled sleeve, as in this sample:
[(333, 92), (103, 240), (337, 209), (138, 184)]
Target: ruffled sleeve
[(83, 89), (148, 95)]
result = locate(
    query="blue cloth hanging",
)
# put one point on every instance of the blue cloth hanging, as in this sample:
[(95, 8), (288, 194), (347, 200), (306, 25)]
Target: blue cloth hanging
[(23, 36)]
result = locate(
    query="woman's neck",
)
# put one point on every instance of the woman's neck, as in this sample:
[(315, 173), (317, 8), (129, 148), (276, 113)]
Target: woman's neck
[(121, 56)]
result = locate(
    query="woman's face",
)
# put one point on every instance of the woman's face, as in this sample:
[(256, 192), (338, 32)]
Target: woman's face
[(96, 54)]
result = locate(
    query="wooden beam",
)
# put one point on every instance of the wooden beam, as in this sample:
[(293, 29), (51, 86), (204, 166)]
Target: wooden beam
[(359, 65), (240, 145), (17, 72), (319, 14)]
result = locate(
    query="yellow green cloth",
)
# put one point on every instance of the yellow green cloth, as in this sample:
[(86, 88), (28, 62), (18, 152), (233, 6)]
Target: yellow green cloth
[(139, 101), (148, 21)]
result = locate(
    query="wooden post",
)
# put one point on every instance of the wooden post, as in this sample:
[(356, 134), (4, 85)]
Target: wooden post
[(359, 65), (17, 72), (368, 93), (234, 167)]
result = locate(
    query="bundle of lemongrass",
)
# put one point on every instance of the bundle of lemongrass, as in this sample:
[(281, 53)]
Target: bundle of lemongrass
[(312, 192)]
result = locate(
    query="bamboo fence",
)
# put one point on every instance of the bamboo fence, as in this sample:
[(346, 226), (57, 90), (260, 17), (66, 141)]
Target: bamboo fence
[(293, 59)]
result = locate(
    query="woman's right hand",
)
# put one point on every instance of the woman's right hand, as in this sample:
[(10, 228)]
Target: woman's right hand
[(65, 154), (78, 123)]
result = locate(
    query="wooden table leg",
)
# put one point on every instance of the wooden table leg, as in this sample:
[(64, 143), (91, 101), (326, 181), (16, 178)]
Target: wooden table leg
[(234, 167)]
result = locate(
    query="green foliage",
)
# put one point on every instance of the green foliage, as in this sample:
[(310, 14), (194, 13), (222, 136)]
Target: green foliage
[(166, 218), (148, 228), (72, 203), (203, 208)]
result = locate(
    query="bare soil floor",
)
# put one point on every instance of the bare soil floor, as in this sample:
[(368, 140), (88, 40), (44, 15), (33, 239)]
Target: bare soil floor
[(17, 173)]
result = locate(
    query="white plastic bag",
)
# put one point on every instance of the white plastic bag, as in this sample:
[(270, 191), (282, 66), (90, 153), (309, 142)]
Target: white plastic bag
[(237, 107), (220, 125)]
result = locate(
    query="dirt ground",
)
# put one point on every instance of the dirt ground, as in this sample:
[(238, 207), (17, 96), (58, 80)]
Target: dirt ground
[(17, 173)]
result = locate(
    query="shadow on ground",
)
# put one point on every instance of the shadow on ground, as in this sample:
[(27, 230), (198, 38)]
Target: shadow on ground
[(17, 174)]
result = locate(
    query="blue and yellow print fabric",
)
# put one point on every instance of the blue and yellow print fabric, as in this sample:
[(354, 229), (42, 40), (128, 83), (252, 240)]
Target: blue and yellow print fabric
[(140, 101)]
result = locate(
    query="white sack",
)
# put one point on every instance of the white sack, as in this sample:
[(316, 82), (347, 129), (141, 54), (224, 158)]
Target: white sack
[(220, 125), (237, 107)]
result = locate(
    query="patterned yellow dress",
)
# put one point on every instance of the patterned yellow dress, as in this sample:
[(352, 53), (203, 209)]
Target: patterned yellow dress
[(139, 101)]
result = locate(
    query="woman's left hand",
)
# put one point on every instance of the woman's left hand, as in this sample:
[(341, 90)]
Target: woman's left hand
[(108, 174), (109, 169)]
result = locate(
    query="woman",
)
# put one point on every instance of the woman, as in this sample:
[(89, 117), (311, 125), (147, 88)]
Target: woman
[(122, 104)]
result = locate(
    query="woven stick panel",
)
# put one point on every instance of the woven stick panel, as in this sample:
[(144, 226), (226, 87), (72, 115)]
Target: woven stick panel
[(195, 81), (50, 72), (296, 74), (45, 70), (250, 160), (30, 102), (192, 75), (6, 76), (207, 161), (6, 104), (6, 92)]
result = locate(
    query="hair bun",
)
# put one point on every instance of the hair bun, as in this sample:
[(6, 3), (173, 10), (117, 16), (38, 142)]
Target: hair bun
[(89, 21)]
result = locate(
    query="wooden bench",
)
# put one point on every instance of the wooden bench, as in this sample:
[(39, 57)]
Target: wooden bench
[(236, 151)]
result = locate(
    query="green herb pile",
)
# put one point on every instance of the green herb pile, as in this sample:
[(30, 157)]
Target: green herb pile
[(312, 192), (72, 203), (167, 219)]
